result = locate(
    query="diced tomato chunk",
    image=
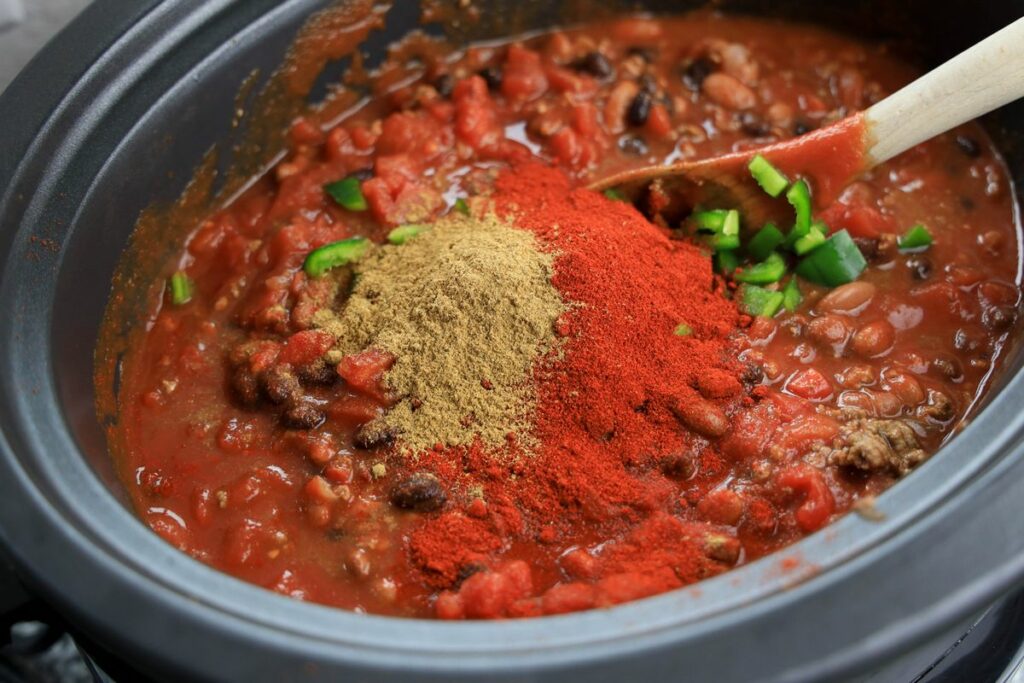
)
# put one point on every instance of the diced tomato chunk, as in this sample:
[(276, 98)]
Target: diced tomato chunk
[(818, 503), (751, 431), (364, 371), (859, 220), (476, 120), (810, 384), (805, 431), (487, 594), (524, 77), (302, 348), (659, 124), (357, 410)]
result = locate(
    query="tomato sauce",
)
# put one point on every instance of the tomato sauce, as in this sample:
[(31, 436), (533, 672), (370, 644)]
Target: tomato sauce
[(918, 336)]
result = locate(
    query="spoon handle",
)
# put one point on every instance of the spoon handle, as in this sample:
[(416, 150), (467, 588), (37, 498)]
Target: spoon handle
[(978, 80)]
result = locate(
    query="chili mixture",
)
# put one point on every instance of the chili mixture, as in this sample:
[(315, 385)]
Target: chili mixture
[(417, 369)]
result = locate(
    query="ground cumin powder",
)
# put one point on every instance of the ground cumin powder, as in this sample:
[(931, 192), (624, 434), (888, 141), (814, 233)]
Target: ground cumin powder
[(466, 308)]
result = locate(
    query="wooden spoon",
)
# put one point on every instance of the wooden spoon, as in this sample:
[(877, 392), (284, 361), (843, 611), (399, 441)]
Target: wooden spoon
[(984, 77)]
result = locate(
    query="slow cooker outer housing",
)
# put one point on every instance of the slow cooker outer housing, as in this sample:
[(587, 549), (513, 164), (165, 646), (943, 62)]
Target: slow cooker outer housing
[(115, 114)]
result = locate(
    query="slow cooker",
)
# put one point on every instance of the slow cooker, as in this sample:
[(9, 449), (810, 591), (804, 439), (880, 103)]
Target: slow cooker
[(117, 113)]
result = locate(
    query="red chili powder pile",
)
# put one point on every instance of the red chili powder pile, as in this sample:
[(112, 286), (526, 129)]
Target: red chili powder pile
[(622, 413)]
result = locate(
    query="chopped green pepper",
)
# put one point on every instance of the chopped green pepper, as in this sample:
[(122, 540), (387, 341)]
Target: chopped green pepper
[(760, 301), (767, 176), (461, 206), (729, 236), (181, 288), (348, 193), (764, 242), (799, 196), (335, 254), (682, 330), (834, 263), (791, 296), (814, 238), (710, 221), (726, 262), (917, 237), (614, 195), (764, 273), (404, 233)]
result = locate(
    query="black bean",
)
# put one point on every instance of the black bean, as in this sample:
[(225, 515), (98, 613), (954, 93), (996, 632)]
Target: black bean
[(494, 77), (754, 126), (281, 385), (640, 108), (370, 437), (753, 374), (246, 386), (967, 203), (363, 174), (996, 319), (467, 570), (633, 144), (595, 64), (444, 85), (648, 54), (317, 373), (968, 146), (802, 128), (920, 267), (421, 492), (679, 465), (648, 82), (303, 414), (696, 71), (868, 247)]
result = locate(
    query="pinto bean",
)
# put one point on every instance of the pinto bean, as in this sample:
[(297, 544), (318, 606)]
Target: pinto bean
[(873, 339), (906, 388), (618, 103), (702, 416), (848, 299), (728, 92), (722, 548), (829, 330), (857, 376)]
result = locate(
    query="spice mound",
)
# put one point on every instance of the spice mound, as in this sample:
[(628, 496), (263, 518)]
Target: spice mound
[(644, 386), (466, 308)]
